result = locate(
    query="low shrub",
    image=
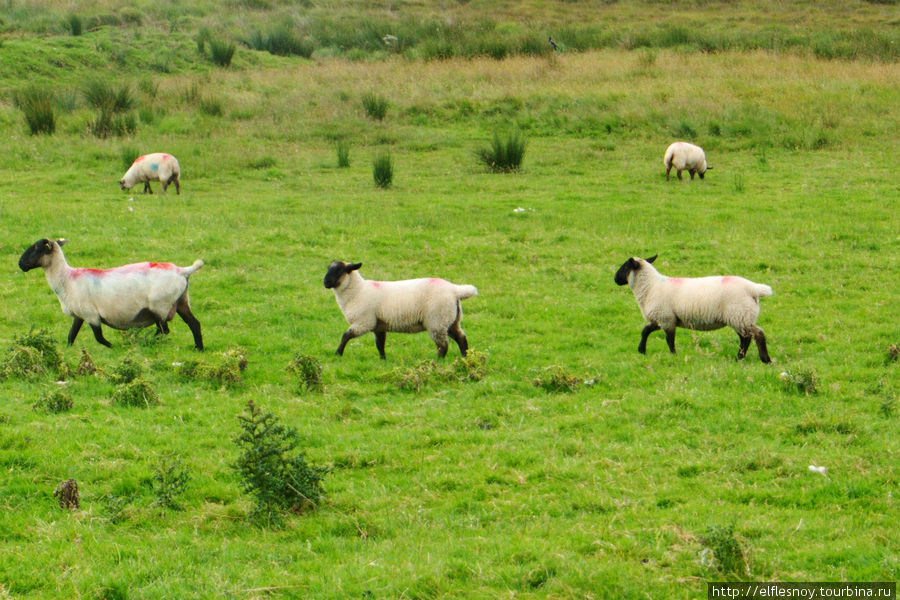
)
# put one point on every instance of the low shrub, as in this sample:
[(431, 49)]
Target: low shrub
[(308, 370), (272, 469), (127, 370), (504, 155), (136, 393), (383, 170), (54, 401), (37, 104), (170, 478)]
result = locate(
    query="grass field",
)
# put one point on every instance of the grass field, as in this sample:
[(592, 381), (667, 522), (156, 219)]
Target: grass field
[(623, 487)]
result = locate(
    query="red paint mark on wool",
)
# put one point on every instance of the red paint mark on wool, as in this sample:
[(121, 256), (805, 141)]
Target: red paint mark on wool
[(676, 280), (375, 283), (76, 273), (435, 280), (727, 279), (123, 270), (139, 159)]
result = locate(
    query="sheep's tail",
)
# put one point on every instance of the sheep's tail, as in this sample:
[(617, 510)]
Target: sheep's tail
[(667, 161), (761, 290), (188, 271), (465, 291)]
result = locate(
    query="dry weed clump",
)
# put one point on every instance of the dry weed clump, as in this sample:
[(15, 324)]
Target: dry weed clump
[(33, 355), (226, 372), (471, 367)]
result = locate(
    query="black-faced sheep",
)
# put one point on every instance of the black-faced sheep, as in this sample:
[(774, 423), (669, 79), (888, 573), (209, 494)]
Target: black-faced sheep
[(153, 167), (407, 306), (126, 297), (702, 303)]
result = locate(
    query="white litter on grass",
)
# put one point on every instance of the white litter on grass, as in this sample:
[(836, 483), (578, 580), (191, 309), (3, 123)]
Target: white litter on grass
[(819, 470), (130, 209), (519, 209), (62, 383), (176, 364), (707, 558)]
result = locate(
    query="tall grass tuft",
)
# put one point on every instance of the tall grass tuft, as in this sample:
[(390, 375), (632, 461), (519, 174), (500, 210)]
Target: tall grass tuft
[(280, 41), (106, 97), (728, 557), (343, 154), (383, 170), (37, 104), (375, 105), (75, 25), (129, 154), (221, 52), (504, 155)]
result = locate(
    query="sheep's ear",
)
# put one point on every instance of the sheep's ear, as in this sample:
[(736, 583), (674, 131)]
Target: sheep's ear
[(708, 168), (353, 267), (62, 241), (652, 258)]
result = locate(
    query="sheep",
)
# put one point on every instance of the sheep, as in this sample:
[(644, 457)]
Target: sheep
[(407, 306), (153, 167), (702, 303), (126, 297), (685, 157)]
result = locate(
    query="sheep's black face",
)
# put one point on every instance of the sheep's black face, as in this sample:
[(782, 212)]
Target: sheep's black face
[(31, 258), (625, 270), (336, 270), (630, 265)]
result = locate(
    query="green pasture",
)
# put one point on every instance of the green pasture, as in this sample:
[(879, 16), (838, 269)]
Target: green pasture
[(495, 487)]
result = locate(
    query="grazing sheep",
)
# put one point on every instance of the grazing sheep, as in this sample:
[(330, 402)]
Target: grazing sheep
[(153, 167), (125, 297), (407, 306), (685, 157), (702, 303)]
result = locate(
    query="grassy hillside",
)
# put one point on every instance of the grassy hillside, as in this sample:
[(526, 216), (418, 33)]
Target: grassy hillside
[(494, 483)]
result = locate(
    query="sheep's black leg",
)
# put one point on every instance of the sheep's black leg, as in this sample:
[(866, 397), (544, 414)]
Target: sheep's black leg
[(98, 335), (76, 327), (177, 187), (668, 168), (642, 347), (172, 177), (184, 311), (760, 338), (348, 335), (692, 174), (670, 340), (679, 174), (458, 336), (147, 188), (745, 343), (162, 328), (380, 337)]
